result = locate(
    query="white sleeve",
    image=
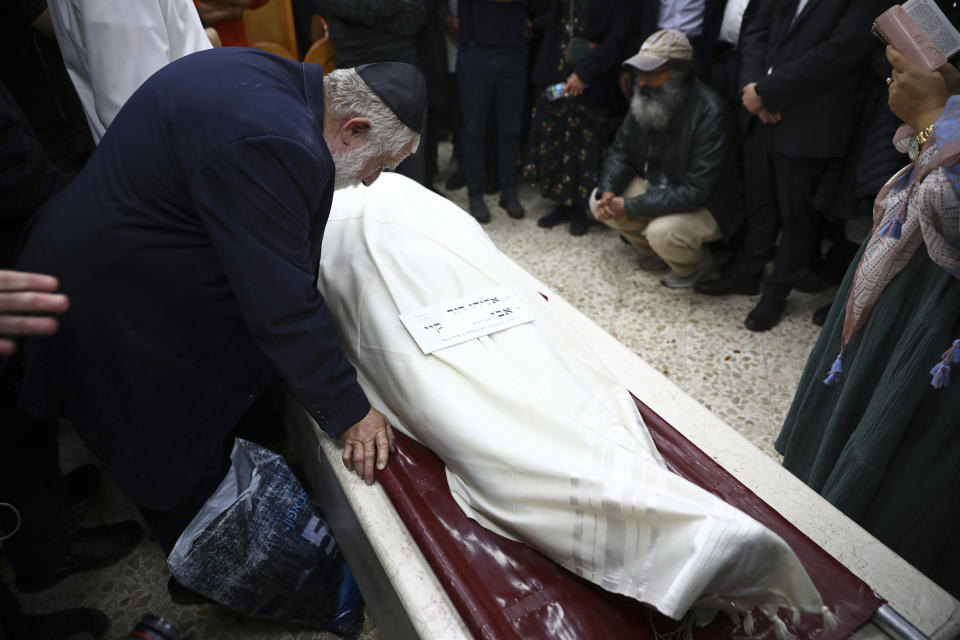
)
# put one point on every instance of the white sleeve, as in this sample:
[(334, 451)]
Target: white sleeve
[(111, 47)]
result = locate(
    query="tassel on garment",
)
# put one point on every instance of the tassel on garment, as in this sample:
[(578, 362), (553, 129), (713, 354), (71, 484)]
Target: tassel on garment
[(830, 622), (892, 228), (941, 371), (834, 376)]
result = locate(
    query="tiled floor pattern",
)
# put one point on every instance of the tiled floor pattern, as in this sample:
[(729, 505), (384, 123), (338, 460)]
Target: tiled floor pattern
[(700, 343)]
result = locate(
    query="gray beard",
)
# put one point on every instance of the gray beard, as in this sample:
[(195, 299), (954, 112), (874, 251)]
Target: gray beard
[(349, 167), (654, 111)]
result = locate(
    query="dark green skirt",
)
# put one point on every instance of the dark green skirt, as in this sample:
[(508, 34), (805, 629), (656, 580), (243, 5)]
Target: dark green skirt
[(883, 445)]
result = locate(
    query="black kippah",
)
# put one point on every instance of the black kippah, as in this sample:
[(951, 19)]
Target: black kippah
[(402, 88)]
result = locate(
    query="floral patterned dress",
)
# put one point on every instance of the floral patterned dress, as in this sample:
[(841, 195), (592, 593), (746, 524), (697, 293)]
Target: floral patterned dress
[(568, 139)]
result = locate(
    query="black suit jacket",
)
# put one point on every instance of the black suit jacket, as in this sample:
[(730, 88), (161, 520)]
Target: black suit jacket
[(189, 247), (808, 67)]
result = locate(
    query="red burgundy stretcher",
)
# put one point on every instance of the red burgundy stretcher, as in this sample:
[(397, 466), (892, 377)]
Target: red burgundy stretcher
[(505, 590)]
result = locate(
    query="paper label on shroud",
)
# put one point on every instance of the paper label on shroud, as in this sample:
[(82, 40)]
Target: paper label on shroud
[(454, 322)]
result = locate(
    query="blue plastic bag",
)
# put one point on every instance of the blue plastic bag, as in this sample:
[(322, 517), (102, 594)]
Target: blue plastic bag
[(259, 546)]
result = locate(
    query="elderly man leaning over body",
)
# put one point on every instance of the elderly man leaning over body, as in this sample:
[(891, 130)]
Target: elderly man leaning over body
[(189, 246), (664, 184)]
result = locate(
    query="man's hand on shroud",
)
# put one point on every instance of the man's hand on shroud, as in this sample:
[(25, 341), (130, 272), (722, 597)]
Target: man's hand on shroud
[(367, 442)]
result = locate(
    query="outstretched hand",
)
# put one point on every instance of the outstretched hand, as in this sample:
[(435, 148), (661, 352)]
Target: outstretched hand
[(366, 443), (28, 293)]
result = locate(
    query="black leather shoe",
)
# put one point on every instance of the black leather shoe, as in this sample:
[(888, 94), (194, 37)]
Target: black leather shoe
[(727, 284), (578, 224), (68, 623), (511, 203), (81, 483), (479, 210), (820, 315), (91, 548), (456, 181), (766, 314), (555, 217)]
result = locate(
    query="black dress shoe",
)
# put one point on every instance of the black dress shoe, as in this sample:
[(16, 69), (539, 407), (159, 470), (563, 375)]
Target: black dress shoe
[(511, 203), (727, 284), (555, 217), (456, 181), (578, 223), (820, 315), (766, 314), (479, 210), (91, 548), (81, 483), (68, 623)]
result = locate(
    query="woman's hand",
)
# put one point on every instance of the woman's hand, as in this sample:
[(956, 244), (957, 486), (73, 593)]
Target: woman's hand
[(951, 77), (574, 86), (916, 96)]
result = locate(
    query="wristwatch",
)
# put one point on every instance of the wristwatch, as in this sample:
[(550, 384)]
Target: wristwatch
[(916, 142)]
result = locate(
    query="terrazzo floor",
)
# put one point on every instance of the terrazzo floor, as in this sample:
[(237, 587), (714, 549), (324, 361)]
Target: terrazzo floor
[(698, 342)]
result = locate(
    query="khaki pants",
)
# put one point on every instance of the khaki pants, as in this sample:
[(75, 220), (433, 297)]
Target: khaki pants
[(676, 237)]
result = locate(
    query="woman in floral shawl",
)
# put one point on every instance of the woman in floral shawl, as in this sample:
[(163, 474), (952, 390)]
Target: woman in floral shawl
[(875, 426)]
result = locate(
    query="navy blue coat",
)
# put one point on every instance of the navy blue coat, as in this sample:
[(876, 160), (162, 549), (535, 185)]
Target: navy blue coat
[(188, 246)]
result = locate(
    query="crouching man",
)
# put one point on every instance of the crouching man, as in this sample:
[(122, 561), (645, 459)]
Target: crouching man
[(668, 183)]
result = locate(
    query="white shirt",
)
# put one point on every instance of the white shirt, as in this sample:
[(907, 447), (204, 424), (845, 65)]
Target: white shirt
[(110, 47), (732, 21), (682, 15)]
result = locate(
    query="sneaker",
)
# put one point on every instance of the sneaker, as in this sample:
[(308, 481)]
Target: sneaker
[(479, 210), (673, 281), (555, 217), (511, 203), (766, 315), (650, 261)]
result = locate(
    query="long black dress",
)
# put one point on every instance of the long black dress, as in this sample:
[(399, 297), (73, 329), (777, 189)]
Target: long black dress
[(883, 445)]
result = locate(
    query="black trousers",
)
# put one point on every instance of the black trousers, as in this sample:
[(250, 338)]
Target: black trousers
[(779, 199), (263, 424)]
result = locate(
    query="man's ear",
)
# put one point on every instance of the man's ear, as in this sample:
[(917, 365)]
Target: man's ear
[(354, 131)]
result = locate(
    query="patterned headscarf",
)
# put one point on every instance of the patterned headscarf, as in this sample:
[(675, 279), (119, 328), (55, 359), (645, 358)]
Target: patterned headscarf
[(920, 205)]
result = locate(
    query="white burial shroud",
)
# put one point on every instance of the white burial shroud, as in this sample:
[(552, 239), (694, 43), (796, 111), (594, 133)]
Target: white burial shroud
[(540, 443)]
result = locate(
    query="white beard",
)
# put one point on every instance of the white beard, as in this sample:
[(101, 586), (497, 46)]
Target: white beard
[(349, 166)]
